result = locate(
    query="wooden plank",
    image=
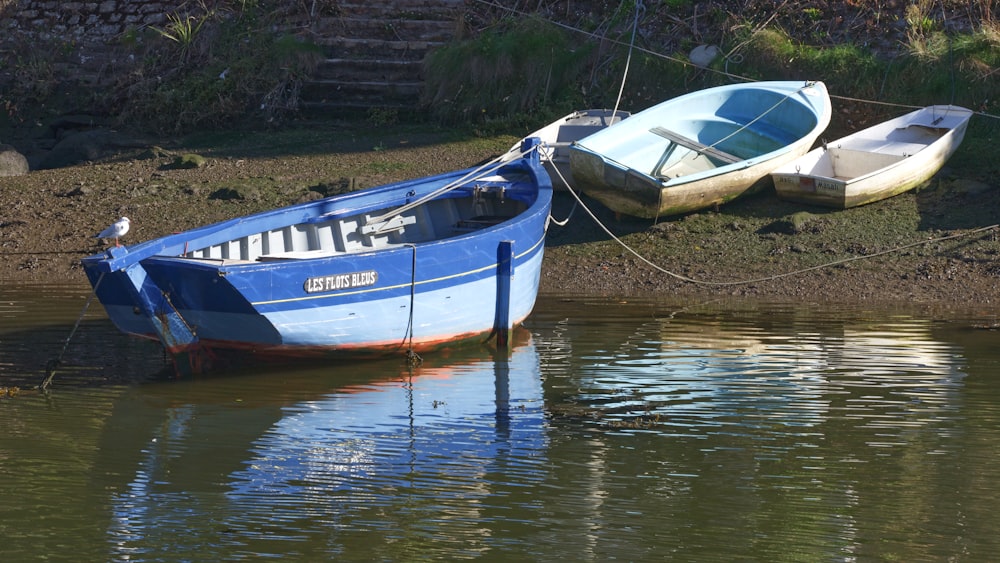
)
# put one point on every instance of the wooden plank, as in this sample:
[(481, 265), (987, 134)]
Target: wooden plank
[(695, 145)]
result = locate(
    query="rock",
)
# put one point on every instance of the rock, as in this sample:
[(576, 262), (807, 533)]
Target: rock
[(77, 148), (970, 187), (703, 55), (85, 146), (340, 186), (310, 196), (12, 163), (237, 193), (795, 223), (154, 152), (78, 191), (65, 125)]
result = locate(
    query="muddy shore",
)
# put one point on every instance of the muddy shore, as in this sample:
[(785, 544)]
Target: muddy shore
[(932, 245)]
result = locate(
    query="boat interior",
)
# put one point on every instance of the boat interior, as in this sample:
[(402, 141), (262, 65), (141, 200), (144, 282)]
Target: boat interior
[(458, 212), (727, 142), (844, 164), (866, 152)]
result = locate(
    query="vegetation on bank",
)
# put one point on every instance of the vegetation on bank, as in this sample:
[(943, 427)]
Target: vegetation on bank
[(217, 64), (598, 61)]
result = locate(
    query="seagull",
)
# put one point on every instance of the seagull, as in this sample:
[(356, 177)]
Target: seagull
[(118, 229)]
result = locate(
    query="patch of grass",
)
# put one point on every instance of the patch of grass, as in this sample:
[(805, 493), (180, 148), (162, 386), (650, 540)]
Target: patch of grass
[(959, 77), (385, 167), (183, 30), (524, 66), (813, 14), (211, 68)]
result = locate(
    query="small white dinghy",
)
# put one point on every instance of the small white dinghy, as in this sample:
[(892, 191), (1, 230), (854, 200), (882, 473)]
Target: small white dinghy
[(700, 149), (875, 163), (557, 136)]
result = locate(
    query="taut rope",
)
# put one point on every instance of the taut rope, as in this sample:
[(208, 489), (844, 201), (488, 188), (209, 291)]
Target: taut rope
[(50, 371), (580, 203)]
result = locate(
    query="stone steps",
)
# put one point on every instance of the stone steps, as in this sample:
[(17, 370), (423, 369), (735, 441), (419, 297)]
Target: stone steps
[(374, 53), (337, 95), (369, 70)]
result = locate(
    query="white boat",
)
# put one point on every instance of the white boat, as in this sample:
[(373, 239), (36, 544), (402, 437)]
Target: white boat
[(875, 163), (557, 136), (700, 149)]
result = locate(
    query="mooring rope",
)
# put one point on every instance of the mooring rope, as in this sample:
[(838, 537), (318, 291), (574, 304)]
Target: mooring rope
[(477, 173), (50, 371), (639, 7), (562, 223), (650, 263), (166, 297)]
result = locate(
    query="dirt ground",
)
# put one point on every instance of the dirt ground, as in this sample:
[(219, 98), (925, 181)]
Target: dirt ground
[(933, 245), (937, 244)]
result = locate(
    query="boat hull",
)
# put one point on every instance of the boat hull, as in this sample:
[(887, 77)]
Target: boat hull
[(702, 149), (401, 297), (556, 138), (876, 163)]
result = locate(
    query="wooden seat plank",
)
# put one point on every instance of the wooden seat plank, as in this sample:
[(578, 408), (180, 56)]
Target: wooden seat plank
[(695, 145)]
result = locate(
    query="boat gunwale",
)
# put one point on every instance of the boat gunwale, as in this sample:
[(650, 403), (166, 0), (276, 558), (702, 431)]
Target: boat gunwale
[(845, 183), (177, 244), (822, 115)]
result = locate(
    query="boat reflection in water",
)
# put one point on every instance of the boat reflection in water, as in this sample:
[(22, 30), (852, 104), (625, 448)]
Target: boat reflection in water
[(630, 431), (698, 371), (759, 433), (395, 449)]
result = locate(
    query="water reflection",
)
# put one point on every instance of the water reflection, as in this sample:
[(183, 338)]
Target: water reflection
[(36, 329), (419, 451), (614, 430), (790, 431), (693, 370)]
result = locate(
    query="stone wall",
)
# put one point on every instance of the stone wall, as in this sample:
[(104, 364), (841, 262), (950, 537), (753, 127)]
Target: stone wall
[(371, 51), (78, 40), (85, 21)]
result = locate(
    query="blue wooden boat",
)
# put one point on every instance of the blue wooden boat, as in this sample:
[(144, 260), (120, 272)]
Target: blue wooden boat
[(701, 149), (406, 267)]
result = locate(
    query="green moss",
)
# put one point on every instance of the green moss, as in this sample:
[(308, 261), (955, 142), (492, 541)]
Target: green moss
[(189, 160)]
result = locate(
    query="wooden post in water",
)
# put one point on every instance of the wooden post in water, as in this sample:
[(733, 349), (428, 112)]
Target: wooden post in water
[(505, 269)]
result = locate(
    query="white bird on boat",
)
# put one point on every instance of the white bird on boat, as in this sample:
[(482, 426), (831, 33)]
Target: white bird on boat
[(116, 230)]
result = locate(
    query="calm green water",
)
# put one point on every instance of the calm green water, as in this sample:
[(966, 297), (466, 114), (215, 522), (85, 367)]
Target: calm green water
[(643, 431)]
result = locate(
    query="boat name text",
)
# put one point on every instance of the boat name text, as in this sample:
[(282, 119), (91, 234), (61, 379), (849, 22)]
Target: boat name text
[(338, 282)]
